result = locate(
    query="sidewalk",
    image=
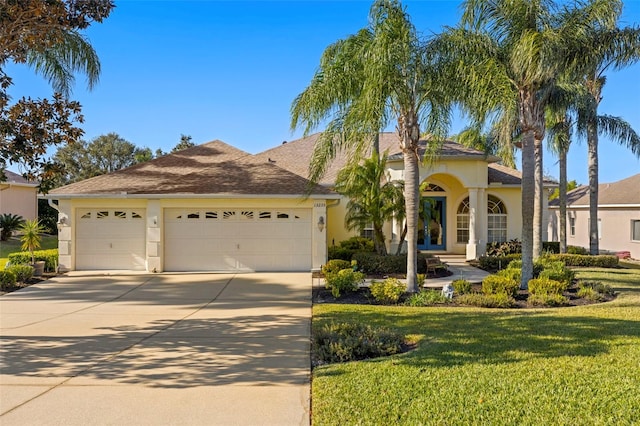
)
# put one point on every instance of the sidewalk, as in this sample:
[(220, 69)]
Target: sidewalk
[(460, 269)]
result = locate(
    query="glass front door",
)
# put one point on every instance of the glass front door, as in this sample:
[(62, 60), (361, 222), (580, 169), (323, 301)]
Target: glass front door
[(433, 224)]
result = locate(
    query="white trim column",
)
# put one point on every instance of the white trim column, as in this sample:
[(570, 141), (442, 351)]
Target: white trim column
[(472, 245), (481, 222), (66, 256), (155, 222), (319, 236)]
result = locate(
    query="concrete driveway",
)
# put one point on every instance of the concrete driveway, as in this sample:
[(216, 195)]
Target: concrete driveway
[(157, 350)]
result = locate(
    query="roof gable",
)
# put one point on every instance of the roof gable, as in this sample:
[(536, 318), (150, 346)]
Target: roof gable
[(625, 191), (213, 168)]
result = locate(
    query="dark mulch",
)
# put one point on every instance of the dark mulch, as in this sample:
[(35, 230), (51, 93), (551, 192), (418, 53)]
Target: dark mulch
[(31, 281)]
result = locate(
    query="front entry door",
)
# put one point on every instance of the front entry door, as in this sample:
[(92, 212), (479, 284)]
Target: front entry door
[(435, 224)]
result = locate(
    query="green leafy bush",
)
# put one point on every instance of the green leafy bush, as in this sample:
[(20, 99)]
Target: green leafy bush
[(551, 246), (426, 298), (461, 286), (22, 272), (494, 263), (597, 286), (420, 279), (388, 291), (335, 265), (547, 299), (559, 272), (374, 264), (547, 286), (7, 279), (50, 258), (577, 250), (343, 281), (600, 261), (344, 342), (496, 284), (347, 248), (500, 300), (512, 273), (504, 248), (590, 294)]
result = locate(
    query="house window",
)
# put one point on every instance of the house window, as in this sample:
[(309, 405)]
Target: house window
[(120, 214), (211, 215), (635, 230), (194, 215), (462, 222), (496, 220), (572, 226), (367, 231)]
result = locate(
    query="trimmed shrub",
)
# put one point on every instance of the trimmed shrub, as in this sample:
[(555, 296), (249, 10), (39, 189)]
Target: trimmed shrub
[(374, 264), (427, 298), (487, 300), (420, 278), (343, 281), (347, 248), (344, 342), (496, 284), (388, 291), (22, 272), (335, 265), (577, 250), (461, 286), (495, 263), (558, 272), (504, 249), (600, 261), (514, 274), (335, 252), (50, 258), (7, 279), (546, 299), (546, 286), (590, 294)]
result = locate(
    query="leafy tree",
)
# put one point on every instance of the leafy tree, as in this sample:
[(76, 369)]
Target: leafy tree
[(601, 47), (45, 34), (185, 142), (104, 154), (381, 74), (372, 196)]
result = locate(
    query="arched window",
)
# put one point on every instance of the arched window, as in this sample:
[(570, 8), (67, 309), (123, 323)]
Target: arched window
[(462, 222), (497, 220), (432, 187)]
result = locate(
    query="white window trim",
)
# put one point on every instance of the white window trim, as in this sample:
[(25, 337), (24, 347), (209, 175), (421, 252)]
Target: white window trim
[(633, 221)]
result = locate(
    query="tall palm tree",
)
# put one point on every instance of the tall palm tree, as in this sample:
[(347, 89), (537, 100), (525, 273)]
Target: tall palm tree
[(602, 47), (372, 196), (381, 74)]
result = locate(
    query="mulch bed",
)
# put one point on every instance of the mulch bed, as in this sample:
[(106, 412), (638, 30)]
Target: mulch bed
[(31, 281)]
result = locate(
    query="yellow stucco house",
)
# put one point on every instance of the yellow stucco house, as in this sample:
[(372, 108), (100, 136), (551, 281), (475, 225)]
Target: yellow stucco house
[(214, 207)]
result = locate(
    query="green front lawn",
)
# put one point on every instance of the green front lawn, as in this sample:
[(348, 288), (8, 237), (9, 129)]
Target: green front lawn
[(13, 245), (575, 366)]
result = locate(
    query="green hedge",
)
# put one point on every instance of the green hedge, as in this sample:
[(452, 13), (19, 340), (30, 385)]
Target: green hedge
[(372, 263), (601, 261), (49, 256)]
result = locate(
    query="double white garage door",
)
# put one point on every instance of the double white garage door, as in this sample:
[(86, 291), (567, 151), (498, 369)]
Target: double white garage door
[(220, 239)]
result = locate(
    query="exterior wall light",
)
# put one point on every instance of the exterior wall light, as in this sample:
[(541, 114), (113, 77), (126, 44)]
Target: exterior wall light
[(321, 223), (61, 222)]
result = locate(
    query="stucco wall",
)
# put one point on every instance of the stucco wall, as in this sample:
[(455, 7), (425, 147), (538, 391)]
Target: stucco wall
[(20, 200), (615, 225)]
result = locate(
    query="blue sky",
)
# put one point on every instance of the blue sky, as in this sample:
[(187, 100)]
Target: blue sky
[(229, 70)]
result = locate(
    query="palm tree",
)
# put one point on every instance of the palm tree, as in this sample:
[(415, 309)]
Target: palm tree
[(603, 46), (8, 223), (31, 236), (372, 197), (381, 74)]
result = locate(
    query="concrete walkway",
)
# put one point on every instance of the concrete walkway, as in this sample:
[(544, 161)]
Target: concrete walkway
[(460, 269), (198, 349)]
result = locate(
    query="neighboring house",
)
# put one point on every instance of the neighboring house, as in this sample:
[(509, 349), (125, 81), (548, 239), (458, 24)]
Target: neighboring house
[(618, 216), (208, 208), (18, 196), (475, 199)]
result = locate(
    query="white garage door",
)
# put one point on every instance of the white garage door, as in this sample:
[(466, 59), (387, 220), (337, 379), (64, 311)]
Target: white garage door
[(237, 239), (110, 239)]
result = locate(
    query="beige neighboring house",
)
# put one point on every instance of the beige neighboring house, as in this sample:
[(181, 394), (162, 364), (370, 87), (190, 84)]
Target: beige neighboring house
[(618, 216), (211, 207), (476, 200), (18, 196)]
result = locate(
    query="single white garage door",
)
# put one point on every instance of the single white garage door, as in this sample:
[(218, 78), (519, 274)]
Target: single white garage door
[(237, 239), (110, 239)]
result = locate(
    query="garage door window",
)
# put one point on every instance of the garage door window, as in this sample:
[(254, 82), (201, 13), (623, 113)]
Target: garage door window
[(264, 215), (246, 215), (102, 214), (211, 215)]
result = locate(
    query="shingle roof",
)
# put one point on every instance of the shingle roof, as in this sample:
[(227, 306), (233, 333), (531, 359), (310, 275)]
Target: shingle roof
[(296, 155), (212, 168), (16, 178), (625, 191)]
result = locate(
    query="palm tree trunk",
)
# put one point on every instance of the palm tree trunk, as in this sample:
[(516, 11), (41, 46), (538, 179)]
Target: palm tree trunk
[(562, 195), (378, 237), (528, 195), (403, 235), (411, 195), (538, 201), (592, 160)]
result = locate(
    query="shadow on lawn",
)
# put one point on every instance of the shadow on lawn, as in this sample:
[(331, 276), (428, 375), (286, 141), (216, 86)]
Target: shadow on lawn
[(458, 338)]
